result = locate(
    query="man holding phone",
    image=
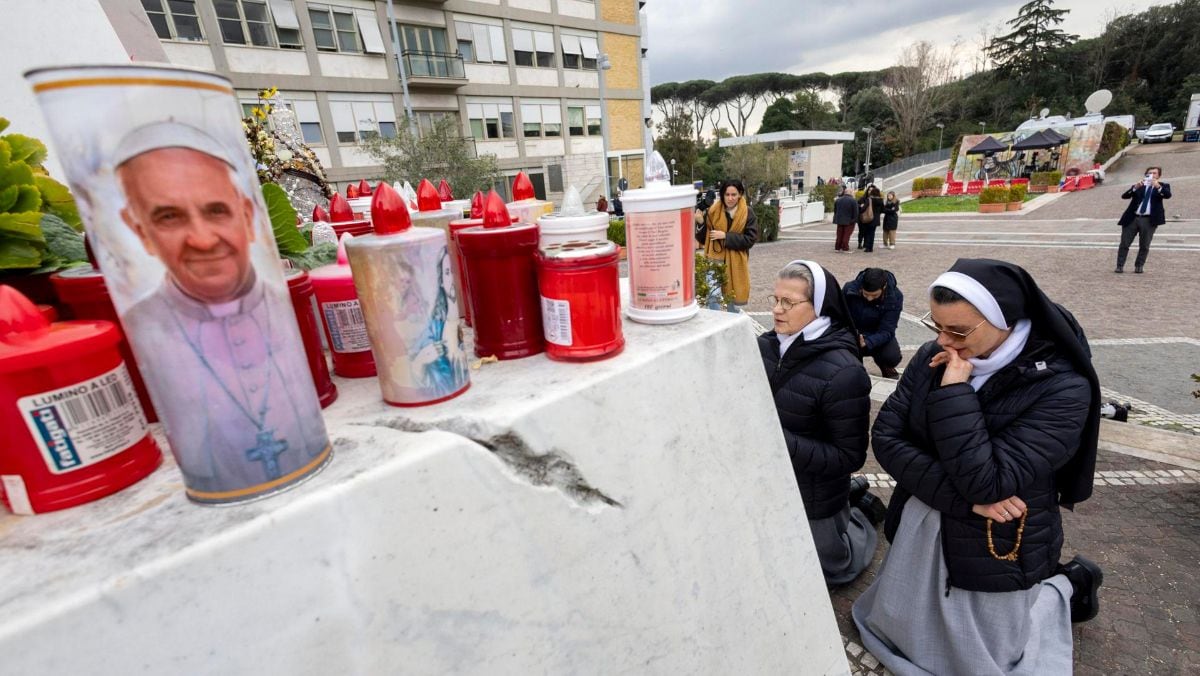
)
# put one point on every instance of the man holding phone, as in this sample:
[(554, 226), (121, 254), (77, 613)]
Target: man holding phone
[(1142, 216)]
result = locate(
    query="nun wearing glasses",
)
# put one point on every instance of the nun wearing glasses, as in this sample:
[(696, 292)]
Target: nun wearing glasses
[(991, 430), (822, 396)]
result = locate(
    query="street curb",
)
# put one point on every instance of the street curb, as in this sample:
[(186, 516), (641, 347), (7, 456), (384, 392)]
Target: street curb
[(1141, 441)]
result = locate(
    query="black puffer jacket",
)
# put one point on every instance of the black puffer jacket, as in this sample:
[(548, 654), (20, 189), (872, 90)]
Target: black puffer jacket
[(954, 448), (822, 395)]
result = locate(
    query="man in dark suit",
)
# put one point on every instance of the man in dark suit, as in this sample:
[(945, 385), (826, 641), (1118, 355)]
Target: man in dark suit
[(1143, 215)]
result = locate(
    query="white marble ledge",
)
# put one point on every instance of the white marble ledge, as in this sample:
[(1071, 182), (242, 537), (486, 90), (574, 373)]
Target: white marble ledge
[(637, 513)]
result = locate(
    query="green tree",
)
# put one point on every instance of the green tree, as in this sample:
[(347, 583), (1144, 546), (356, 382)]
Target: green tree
[(759, 168), (436, 154), (802, 110), (1035, 36), (674, 142)]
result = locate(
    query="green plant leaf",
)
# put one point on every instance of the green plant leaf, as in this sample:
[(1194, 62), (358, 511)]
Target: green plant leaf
[(3, 123), (24, 226), (16, 173), (16, 255), (26, 149), (283, 221), (28, 199), (5, 153), (62, 240), (8, 197), (57, 200)]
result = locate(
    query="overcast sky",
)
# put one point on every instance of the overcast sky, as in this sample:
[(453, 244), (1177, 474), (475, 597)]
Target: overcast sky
[(717, 38)]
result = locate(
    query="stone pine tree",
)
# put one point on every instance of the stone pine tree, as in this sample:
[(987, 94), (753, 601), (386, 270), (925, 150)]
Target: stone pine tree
[(1034, 39)]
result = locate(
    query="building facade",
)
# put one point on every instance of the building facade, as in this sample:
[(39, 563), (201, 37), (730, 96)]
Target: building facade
[(520, 78)]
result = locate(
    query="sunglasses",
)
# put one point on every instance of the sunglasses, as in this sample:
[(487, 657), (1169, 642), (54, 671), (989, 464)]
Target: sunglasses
[(786, 303), (927, 320)]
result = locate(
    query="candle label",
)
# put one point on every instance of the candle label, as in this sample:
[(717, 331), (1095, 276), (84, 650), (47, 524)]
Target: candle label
[(556, 321), (85, 423), (17, 495), (657, 275), (347, 329)]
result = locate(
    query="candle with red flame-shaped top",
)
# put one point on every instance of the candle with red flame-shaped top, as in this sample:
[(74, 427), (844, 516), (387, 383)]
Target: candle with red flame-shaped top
[(73, 428), (352, 192), (581, 299), (444, 191), (364, 188), (319, 215), (430, 213), (359, 198), (343, 218), (446, 195), (525, 205), (342, 318), (406, 289), (506, 309), (456, 258)]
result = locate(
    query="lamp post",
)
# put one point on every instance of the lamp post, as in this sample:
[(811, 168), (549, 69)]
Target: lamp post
[(408, 111), (673, 172), (603, 65), (983, 127), (867, 168), (941, 128)]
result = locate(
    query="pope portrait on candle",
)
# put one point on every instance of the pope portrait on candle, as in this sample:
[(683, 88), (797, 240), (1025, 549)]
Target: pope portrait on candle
[(249, 416)]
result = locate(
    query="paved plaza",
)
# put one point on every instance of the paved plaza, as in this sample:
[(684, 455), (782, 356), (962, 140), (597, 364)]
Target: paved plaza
[(1143, 523)]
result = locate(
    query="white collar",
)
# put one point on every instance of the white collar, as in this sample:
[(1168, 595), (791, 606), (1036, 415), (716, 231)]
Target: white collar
[(1002, 356), (811, 331)]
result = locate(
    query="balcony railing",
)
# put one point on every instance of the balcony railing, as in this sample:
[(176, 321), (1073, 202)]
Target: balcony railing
[(433, 64)]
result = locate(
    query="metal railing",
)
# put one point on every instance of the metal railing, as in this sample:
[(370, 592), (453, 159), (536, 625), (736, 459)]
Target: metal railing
[(901, 166), (433, 64)]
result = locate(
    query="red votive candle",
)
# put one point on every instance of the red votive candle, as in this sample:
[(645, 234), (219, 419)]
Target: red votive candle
[(342, 317), (581, 300), (74, 430), (506, 309), (301, 289)]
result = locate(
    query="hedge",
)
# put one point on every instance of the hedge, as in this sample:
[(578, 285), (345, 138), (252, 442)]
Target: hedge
[(994, 195)]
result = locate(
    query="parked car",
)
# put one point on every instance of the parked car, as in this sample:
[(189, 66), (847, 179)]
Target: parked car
[(1159, 133)]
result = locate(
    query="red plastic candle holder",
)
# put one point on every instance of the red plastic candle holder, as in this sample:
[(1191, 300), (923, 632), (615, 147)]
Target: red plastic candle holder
[(301, 289), (581, 300)]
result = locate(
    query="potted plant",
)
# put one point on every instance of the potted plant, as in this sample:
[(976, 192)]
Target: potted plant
[(993, 200), (918, 188), (1037, 181), (616, 234), (40, 228), (933, 186), (1052, 181), (1016, 197)]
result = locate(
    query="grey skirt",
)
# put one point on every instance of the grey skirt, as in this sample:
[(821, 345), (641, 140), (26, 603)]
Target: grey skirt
[(845, 544), (910, 625)]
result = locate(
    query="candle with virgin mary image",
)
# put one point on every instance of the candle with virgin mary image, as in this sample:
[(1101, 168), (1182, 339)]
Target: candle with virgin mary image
[(170, 198)]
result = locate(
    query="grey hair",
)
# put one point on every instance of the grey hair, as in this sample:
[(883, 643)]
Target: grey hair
[(801, 272)]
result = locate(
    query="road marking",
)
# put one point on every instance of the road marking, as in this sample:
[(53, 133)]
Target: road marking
[(1011, 233), (1011, 244)]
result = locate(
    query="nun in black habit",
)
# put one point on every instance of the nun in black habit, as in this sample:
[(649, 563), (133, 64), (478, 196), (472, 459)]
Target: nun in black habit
[(990, 431), (822, 396)]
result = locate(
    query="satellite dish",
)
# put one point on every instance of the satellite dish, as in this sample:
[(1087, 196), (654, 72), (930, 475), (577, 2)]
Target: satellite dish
[(1098, 100), (623, 184), (1042, 115)]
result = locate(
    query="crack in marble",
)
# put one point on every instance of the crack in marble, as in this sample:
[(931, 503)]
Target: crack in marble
[(551, 469)]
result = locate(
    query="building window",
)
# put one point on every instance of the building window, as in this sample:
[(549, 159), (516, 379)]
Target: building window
[(583, 120), (490, 121), (310, 121), (426, 53), (579, 52), (174, 19), (533, 48), (480, 43), (356, 121), (541, 120), (426, 121), (335, 29)]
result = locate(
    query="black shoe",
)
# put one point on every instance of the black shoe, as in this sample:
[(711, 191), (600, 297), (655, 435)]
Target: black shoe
[(1086, 578), (1137, 270), (1119, 270), (873, 507), (858, 488), (891, 373)]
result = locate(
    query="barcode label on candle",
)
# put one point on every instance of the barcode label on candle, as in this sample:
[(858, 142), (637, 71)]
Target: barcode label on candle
[(85, 423), (556, 321), (347, 329)]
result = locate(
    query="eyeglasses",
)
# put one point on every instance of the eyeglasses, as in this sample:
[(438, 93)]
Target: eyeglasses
[(927, 320), (787, 303)]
